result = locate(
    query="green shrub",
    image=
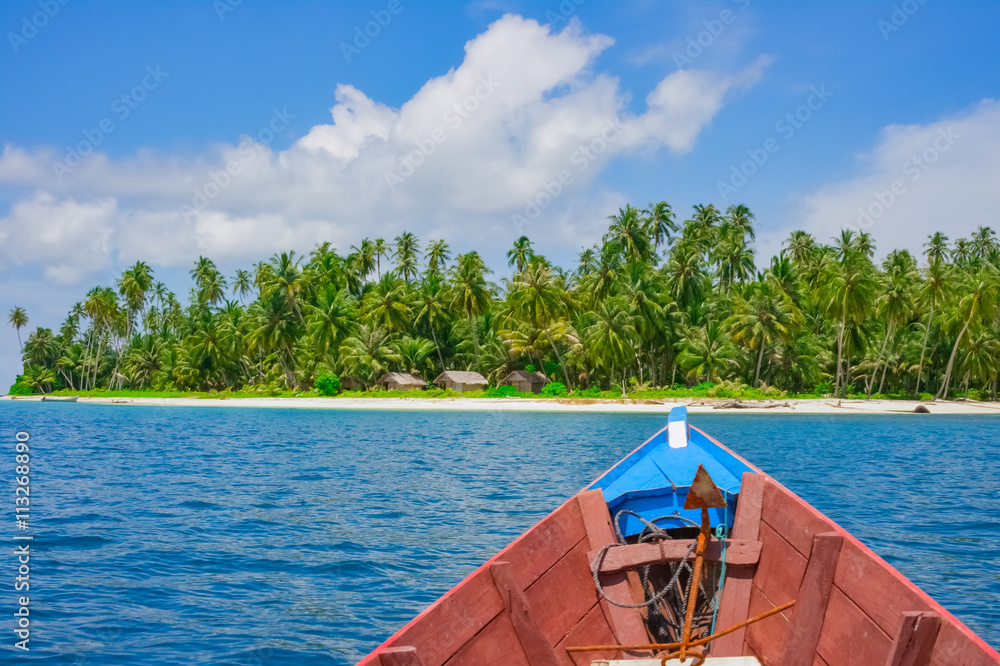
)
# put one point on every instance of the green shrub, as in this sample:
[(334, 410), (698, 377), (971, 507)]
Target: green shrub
[(974, 394), (501, 392), (20, 387), (328, 384), (592, 392), (926, 397), (529, 368), (554, 390)]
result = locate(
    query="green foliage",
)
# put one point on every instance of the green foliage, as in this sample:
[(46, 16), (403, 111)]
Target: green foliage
[(554, 390), (659, 304), (926, 397), (20, 387), (501, 392), (328, 384)]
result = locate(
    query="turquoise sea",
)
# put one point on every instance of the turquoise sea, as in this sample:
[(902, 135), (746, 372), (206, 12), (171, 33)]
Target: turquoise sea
[(289, 536)]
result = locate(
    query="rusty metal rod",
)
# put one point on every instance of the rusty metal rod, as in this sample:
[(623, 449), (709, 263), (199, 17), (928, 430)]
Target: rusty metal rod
[(699, 560), (697, 643)]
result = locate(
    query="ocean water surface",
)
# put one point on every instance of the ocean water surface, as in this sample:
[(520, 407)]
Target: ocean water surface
[(290, 536)]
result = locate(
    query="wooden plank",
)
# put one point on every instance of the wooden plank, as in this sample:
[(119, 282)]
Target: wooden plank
[(779, 574), (565, 594), (496, 644), (792, 517), (593, 629), (738, 553), (954, 646), (400, 656), (536, 647), (879, 590), (764, 639), (915, 638), (625, 622), (453, 620), (735, 603), (849, 636), (546, 543), (806, 625)]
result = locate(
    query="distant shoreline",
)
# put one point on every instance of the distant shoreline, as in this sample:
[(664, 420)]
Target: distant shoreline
[(825, 406)]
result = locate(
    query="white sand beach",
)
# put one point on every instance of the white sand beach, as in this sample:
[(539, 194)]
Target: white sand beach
[(695, 405)]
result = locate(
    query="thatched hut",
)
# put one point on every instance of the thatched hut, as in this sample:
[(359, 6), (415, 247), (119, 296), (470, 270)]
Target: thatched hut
[(526, 382), (351, 384), (460, 381), (401, 381)]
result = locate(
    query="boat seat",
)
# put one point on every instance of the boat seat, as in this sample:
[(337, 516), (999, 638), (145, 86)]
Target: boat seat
[(711, 661), (678, 432)]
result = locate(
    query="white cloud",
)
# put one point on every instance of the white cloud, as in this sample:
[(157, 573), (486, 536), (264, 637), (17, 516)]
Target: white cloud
[(916, 180), (456, 160), (70, 239)]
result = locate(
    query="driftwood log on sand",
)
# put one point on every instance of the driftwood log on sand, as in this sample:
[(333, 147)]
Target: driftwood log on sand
[(736, 403)]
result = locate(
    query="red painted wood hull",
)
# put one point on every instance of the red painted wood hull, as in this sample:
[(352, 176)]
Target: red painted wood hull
[(544, 600)]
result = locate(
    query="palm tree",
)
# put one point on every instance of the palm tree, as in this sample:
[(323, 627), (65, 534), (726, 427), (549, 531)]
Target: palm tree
[(406, 255), (413, 353), (761, 318), (847, 295), (470, 292), (706, 352), (368, 354), (659, 222), (381, 251), (611, 338), (933, 292), (936, 248), (741, 219), (801, 247), (387, 304), (438, 255), (980, 298), (277, 330), (366, 258), (211, 285), (983, 242), (287, 279), (630, 233), (331, 320), (18, 318), (429, 306), (242, 283), (520, 254), (538, 298)]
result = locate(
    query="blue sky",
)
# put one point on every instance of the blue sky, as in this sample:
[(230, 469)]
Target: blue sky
[(897, 80)]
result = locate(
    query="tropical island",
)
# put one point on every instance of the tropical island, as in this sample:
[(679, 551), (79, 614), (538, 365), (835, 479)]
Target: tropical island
[(659, 309)]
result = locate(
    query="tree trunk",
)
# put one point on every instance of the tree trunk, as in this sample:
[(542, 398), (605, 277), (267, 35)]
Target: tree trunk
[(760, 357), (840, 350), (878, 362), (943, 390), (569, 385), (927, 332), (440, 357), (475, 341)]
